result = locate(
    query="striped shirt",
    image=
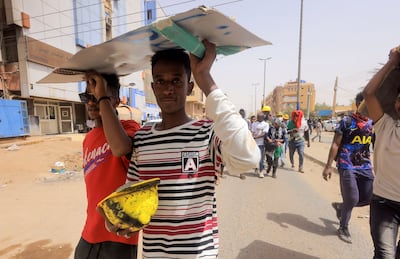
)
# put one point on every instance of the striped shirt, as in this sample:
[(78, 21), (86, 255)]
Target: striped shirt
[(188, 159)]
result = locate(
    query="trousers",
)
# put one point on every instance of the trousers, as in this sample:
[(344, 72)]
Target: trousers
[(104, 250), (384, 226), (356, 191)]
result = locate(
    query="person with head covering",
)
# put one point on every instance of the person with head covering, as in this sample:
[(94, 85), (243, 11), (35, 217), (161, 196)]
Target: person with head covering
[(273, 146), (350, 148), (385, 203), (297, 127)]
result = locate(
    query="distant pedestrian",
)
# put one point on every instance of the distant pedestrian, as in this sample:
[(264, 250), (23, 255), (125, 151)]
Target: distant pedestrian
[(318, 130), (285, 121), (310, 125), (252, 120), (259, 130), (242, 113), (385, 203), (273, 146), (297, 127), (350, 148)]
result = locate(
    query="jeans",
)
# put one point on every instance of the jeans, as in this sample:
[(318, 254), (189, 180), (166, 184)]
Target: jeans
[(356, 191), (283, 154), (272, 163), (384, 224), (299, 146), (262, 151)]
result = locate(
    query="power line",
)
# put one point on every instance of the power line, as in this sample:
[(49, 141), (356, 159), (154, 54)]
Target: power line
[(101, 20)]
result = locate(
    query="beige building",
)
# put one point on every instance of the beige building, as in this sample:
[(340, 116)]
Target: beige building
[(284, 98), (195, 103)]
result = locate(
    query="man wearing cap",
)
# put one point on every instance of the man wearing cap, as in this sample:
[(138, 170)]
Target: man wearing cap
[(267, 112)]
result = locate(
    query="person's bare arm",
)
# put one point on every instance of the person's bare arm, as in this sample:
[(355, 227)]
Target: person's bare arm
[(375, 111), (119, 141), (201, 68), (327, 172)]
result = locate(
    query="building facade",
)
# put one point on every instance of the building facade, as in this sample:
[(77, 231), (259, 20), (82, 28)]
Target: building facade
[(284, 98), (37, 36)]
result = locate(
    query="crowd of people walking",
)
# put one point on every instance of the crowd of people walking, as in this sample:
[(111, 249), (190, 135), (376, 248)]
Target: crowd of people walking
[(373, 126)]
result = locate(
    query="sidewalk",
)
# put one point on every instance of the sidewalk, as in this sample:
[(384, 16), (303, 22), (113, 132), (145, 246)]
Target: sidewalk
[(29, 140)]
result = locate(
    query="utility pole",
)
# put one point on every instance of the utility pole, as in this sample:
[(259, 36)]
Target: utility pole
[(299, 60), (265, 71), (308, 102), (334, 98), (255, 97)]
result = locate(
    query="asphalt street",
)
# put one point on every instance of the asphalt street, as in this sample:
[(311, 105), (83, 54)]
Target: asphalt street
[(288, 217)]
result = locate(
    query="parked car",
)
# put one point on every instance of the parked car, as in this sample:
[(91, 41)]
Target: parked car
[(329, 125)]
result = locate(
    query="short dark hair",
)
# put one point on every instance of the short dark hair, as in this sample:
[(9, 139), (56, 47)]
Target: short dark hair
[(174, 55), (113, 82), (359, 98)]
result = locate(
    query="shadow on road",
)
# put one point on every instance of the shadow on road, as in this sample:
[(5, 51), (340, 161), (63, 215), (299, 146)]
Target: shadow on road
[(284, 219), (260, 249)]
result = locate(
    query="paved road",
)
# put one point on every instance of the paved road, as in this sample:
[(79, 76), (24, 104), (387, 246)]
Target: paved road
[(288, 217)]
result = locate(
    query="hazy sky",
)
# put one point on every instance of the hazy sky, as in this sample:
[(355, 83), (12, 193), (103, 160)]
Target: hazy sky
[(344, 38)]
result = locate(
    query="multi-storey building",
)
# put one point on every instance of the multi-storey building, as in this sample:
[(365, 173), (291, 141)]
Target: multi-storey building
[(37, 36), (284, 98)]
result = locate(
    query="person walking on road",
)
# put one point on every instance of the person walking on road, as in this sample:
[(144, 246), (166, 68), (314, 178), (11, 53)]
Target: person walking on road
[(284, 124), (351, 150), (187, 155), (297, 128), (259, 130), (104, 172), (385, 203), (318, 130), (273, 146), (242, 113)]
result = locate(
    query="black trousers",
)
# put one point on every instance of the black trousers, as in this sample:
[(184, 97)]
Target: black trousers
[(104, 250)]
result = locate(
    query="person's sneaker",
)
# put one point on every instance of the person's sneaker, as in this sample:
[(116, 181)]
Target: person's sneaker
[(344, 234), (256, 171), (274, 175), (301, 170), (261, 174), (292, 165), (338, 208)]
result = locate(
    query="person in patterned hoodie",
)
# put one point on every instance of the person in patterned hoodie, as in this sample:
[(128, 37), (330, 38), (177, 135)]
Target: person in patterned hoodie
[(351, 150)]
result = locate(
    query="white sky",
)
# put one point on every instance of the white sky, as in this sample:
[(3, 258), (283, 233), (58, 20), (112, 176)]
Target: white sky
[(345, 38)]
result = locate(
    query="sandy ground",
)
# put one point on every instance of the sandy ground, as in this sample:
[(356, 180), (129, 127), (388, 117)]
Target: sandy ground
[(43, 213)]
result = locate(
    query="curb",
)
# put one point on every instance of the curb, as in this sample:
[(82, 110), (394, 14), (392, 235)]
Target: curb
[(33, 141)]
